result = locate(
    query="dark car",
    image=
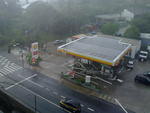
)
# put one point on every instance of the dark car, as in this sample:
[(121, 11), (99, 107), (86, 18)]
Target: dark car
[(57, 42), (142, 79), (147, 74), (71, 105)]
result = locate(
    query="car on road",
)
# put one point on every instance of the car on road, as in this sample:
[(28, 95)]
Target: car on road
[(142, 79), (57, 42), (71, 105), (147, 74)]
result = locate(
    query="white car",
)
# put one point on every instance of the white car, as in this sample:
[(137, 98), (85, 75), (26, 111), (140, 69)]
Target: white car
[(143, 55)]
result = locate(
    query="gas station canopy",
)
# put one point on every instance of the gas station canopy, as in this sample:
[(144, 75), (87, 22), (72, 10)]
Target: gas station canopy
[(99, 49)]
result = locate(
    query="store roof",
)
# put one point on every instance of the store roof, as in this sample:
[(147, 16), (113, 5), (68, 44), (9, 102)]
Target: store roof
[(103, 50)]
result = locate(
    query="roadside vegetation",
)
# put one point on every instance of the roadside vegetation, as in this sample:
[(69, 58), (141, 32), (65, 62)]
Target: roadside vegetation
[(44, 22)]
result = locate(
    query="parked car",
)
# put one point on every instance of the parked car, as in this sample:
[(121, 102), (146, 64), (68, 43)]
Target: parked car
[(130, 64), (147, 74), (71, 105), (142, 79), (57, 42), (143, 56)]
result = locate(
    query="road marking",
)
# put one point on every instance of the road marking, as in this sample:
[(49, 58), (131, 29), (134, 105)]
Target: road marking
[(4, 71), (2, 59), (32, 81), (3, 63), (7, 64), (55, 93), (121, 106), (82, 105), (62, 96), (44, 98), (1, 75), (20, 82), (91, 109), (15, 68), (9, 69)]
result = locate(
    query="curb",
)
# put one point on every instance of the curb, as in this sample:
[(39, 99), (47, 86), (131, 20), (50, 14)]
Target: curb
[(96, 93)]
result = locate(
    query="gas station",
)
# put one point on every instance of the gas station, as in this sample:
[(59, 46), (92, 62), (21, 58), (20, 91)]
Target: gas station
[(98, 57)]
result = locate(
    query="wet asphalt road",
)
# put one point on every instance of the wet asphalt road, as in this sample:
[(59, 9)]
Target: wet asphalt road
[(28, 85)]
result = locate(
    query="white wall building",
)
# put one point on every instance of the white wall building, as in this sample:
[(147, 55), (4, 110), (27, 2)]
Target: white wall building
[(127, 15)]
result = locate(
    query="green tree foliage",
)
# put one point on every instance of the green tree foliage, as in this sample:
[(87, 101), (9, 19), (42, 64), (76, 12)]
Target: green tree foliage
[(9, 14), (43, 21), (109, 28), (142, 22), (132, 32)]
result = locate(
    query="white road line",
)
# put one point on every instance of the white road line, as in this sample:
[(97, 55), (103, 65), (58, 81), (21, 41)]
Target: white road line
[(2, 59), (15, 68), (20, 82), (43, 98), (82, 105), (62, 96), (121, 106), (1, 75), (9, 69), (3, 63), (4, 71), (12, 68), (36, 83), (55, 93), (32, 81), (91, 109), (7, 64), (13, 64)]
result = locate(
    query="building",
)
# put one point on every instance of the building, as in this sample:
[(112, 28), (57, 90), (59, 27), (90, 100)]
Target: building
[(135, 44), (102, 19), (127, 15), (145, 41), (97, 56), (75, 37)]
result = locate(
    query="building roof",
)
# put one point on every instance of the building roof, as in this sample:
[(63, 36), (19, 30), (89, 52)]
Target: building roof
[(109, 16), (99, 49), (145, 35)]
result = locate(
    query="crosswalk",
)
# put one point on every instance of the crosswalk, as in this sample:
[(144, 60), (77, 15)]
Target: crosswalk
[(7, 67)]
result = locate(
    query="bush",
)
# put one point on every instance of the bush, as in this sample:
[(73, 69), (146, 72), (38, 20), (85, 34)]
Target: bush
[(132, 32), (29, 60)]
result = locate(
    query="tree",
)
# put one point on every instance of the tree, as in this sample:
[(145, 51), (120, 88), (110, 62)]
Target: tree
[(142, 22), (109, 28), (132, 32), (10, 11)]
